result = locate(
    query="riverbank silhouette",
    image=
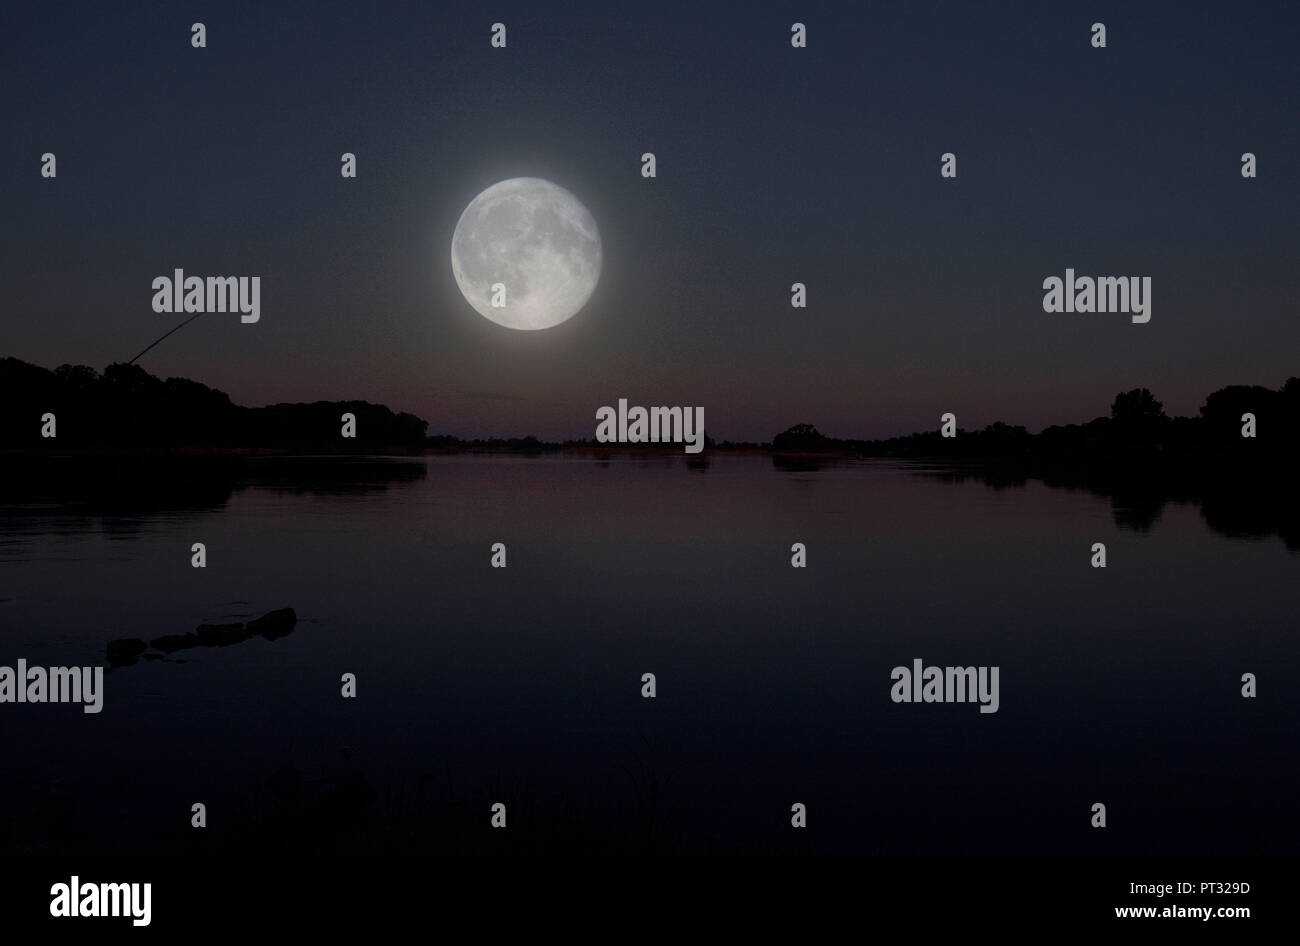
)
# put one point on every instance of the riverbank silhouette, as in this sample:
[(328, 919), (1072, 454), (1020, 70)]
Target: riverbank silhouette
[(130, 443)]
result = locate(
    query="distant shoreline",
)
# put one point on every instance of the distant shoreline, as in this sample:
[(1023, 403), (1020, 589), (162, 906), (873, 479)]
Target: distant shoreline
[(125, 412)]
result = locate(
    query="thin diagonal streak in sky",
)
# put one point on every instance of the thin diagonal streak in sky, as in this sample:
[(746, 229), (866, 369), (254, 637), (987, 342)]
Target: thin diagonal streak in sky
[(176, 329)]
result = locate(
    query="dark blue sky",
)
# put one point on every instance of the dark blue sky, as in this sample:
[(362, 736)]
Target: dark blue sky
[(775, 165)]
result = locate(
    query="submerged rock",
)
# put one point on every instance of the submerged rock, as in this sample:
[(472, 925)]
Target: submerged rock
[(274, 624), (222, 635), (169, 643), (124, 651)]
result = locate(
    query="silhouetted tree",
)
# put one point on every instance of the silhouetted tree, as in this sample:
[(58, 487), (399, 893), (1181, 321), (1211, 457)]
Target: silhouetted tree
[(1222, 411), (1138, 420), (77, 377), (1137, 407), (801, 437)]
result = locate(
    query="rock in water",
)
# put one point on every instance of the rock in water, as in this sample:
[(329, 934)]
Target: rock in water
[(221, 635), (125, 651), (274, 624), (170, 643)]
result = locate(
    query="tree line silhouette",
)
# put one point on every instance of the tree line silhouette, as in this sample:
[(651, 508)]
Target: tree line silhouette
[(127, 407), (1137, 429)]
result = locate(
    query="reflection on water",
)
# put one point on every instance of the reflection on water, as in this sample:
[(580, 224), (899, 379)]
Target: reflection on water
[(1241, 504), (523, 685)]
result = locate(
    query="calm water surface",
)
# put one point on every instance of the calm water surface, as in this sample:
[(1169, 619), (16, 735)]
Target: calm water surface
[(522, 685)]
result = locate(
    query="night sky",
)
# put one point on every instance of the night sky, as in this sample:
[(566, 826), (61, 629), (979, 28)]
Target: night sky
[(775, 165)]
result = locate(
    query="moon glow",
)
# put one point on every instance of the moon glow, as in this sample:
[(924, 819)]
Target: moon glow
[(535, 239)]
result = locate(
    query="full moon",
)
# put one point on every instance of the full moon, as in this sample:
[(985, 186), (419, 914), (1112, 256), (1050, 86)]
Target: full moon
[(536, 244)]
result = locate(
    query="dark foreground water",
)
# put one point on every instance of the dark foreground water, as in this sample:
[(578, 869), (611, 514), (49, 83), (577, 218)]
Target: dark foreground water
[(523, 685)]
